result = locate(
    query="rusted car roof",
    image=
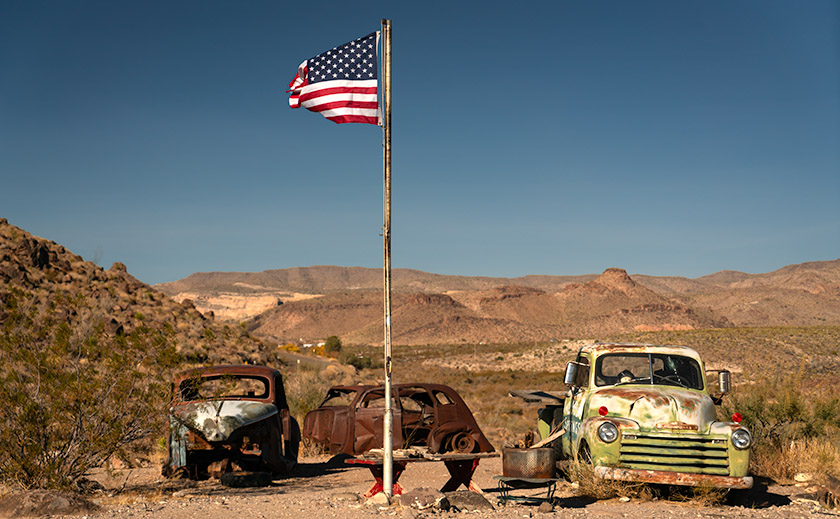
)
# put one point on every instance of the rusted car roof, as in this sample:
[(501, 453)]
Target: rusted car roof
[(631, 347), (228, 369)]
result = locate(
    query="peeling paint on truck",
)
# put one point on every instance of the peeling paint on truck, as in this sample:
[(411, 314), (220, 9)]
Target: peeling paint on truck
[(643, 412)]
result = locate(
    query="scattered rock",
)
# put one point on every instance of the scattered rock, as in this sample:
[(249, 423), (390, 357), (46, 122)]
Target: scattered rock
[(467, 500), (119, 267), (43, 502), (40, 256), (346, 496), (545, 507), (380, 499), (410, 513), (803, 477), (829, 495), (422, 498)]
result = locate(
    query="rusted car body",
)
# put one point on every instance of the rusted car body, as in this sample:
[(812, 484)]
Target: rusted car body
[(642, 412), (230, 418), (350, 419)]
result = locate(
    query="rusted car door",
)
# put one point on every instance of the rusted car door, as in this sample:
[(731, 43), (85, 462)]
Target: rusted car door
[(370, 412)]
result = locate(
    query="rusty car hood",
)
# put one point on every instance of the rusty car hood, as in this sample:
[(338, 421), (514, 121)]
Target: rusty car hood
[(664, 409), (216, 420)]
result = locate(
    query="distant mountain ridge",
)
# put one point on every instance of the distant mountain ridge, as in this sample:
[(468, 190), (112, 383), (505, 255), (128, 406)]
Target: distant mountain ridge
[(311, 302), (322, 279)]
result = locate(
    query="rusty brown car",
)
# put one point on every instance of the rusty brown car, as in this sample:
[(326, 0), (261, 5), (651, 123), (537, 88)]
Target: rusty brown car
[(230, 418), (349, 420)]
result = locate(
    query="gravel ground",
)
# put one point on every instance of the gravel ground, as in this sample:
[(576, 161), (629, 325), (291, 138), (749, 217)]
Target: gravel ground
[(322, 489)]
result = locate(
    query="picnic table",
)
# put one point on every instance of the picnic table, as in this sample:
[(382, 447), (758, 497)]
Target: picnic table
[(461, 467)]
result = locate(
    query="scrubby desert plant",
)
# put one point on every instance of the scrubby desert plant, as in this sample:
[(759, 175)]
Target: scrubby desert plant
[(305, 389), (588, 484), (332, 345), (795, 425), (71, 396)]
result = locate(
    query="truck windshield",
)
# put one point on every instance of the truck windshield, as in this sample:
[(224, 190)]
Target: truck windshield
[(648, 368)]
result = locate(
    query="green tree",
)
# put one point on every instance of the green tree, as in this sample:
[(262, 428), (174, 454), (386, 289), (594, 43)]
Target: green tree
[(332, 345)]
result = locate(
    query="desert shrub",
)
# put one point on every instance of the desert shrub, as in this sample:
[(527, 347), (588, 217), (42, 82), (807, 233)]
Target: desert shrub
[(70, 396), (795, 426), (332, 345), (358, 361), (590, 485), (305, 389), (780, 463), (291, 347), (780, 410)]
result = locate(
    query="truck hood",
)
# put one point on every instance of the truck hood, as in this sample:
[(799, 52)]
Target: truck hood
[(664, 409), (216, 420)]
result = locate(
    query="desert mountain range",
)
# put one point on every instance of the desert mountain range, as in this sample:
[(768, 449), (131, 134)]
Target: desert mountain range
[(307, 303), (223, 316)]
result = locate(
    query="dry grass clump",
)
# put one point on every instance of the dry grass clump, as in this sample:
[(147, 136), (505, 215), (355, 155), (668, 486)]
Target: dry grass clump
[(590, 485), (795, 423), (817, 456)]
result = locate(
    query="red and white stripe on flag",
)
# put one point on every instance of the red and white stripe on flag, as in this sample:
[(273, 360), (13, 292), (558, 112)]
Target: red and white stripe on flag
[(340, 84)]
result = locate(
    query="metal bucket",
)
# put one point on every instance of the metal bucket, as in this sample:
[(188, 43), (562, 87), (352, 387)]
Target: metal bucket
[(528, 463)]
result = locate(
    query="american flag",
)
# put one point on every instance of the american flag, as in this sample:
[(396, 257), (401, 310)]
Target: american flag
[(340, 83)]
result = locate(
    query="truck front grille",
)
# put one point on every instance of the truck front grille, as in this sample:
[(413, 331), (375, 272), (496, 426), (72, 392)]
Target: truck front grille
[(691, 454)]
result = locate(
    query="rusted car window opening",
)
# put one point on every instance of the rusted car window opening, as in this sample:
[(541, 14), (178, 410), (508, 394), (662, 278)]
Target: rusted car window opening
[(223, 387), (647, 368), (338, 398), (442, 398)]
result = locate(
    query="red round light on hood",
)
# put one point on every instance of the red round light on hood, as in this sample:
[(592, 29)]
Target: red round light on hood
[(737, 417), (603, 411)]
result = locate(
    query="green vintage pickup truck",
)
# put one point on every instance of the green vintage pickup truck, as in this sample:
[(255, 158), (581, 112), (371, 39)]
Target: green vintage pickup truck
[(643, 412)]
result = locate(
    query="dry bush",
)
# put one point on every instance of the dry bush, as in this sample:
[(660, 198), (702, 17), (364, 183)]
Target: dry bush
[(306, 386), (795, 425), (72, 397), (590, 485), (700, 495), (819, 456), (305, 390)]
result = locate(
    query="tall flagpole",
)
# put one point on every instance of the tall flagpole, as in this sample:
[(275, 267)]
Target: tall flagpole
[(387, 443)]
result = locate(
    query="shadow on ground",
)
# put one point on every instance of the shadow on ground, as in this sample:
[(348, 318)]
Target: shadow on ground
[(759, 496)]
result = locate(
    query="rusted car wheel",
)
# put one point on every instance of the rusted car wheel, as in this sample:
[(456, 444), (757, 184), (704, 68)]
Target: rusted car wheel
[(461, 443)]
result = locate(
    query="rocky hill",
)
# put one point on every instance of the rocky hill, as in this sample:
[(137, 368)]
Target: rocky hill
[(608, 304), (42, 276), (314, 302)]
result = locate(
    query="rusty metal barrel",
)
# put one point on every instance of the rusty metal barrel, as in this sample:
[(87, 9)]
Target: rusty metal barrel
[(528, 463)]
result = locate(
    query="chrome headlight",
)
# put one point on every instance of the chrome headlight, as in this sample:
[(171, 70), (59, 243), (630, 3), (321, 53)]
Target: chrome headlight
[(741, 439), (607, 432)]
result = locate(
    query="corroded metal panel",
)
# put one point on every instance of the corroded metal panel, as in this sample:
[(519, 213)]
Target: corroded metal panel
[(431, 415), (660, 418)]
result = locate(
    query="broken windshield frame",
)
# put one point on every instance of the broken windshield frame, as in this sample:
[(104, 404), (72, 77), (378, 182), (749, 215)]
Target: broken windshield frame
[(648, 368)]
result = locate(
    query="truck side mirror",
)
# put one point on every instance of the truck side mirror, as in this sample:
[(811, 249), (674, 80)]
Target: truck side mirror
[(571, 374), (724, 382)]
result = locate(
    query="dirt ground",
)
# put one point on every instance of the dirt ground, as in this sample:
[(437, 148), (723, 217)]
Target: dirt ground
[(325, 489)]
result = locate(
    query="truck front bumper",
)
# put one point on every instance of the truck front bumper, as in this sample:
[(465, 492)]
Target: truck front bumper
[(673, 478)]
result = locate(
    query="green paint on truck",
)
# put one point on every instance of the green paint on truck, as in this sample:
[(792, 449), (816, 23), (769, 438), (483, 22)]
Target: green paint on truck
[(643, 412)]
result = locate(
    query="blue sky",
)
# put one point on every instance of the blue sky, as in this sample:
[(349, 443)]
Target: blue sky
[(665, 138)]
